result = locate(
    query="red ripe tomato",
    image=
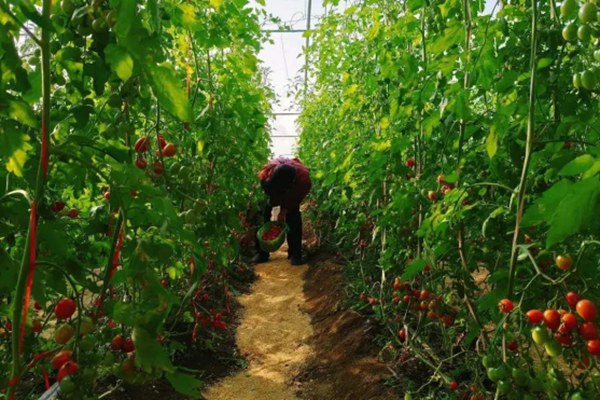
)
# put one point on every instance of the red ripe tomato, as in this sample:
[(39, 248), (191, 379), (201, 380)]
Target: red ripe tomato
[(117, 343), (432, 315), (572, 299), (402, 334), (586, 310), (57, 206), (423, 306), (36, 326), (161, 141), (141, 162), (512, 345), (433, 196), (453, 385), (65, 308), (447, 320), (396, 283), (588, 331), (69, 368), (406, 299), (505, 306), (141, 145), (593, 347), (410, 163), (440, 179), (158, 168), (569, 322), (552, 319), (535, 316), (128, 346), (169, 150), (564, 339), (37, 306), (61, 358), (424, 295), (106, 195), (73, 213)]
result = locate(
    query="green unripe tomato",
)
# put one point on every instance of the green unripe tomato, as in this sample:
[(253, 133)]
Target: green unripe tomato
[(488, 361), (497, 374), (584, 33), (67, 6), (520, 377), (67, 385), (569, 32), (577, 81), (577, 396), (588, 12), (540, 335), (503, 387), (568, 8), (588, 80), (553, 348), (86, 327)]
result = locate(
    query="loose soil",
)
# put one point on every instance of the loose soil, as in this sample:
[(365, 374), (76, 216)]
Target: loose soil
[(301, 341), (273, 335), (344, 364)]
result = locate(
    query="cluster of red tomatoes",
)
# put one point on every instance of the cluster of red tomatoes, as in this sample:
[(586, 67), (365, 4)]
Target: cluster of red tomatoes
[(214, 319), (445, 188), (272, 233), (166, 149), (567, 326), (421, 300)]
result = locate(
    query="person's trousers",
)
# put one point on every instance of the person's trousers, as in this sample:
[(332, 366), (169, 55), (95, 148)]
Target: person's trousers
[(293, 219)]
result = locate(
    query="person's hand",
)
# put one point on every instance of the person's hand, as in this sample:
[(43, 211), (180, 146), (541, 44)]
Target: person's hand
[(281, 216)]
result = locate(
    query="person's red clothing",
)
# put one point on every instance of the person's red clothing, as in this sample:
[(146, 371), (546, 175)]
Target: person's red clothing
[(292, 198)]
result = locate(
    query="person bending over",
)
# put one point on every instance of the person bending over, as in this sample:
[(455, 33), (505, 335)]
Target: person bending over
[(286, 182)]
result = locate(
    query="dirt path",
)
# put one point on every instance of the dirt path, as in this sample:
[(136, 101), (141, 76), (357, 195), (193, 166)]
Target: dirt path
[(273, 335)]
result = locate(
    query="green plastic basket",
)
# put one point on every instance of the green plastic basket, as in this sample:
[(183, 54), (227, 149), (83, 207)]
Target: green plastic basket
[(275, 244)]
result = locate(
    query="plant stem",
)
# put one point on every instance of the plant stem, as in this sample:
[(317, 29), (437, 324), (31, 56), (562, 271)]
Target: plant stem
[(528, 143), (24, 272)]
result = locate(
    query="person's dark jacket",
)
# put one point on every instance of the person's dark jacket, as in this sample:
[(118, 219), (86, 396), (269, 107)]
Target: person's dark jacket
[(286, 181)]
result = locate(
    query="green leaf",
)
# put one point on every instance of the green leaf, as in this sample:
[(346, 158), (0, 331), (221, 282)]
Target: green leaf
[(125, 16), (578, 165), (120, 61), (185, 384), (22, 112), (149, 354), (413, 269), (544, 63), (577, 210), (14, 147), (169, 92), (491, 143)]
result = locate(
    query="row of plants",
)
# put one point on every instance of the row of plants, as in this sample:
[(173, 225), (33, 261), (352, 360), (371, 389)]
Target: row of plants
[(130, 133), (455, 155)]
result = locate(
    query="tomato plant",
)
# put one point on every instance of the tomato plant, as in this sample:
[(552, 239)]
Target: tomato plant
[(441, 136), (118, 121)]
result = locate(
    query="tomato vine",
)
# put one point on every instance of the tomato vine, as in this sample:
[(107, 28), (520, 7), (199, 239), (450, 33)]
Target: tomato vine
[(453, 155)]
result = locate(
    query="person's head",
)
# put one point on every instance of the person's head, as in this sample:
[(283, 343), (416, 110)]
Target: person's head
[(281, 178)]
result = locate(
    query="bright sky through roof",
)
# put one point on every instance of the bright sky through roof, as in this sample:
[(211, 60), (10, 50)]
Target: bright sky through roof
[(284, 60)]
